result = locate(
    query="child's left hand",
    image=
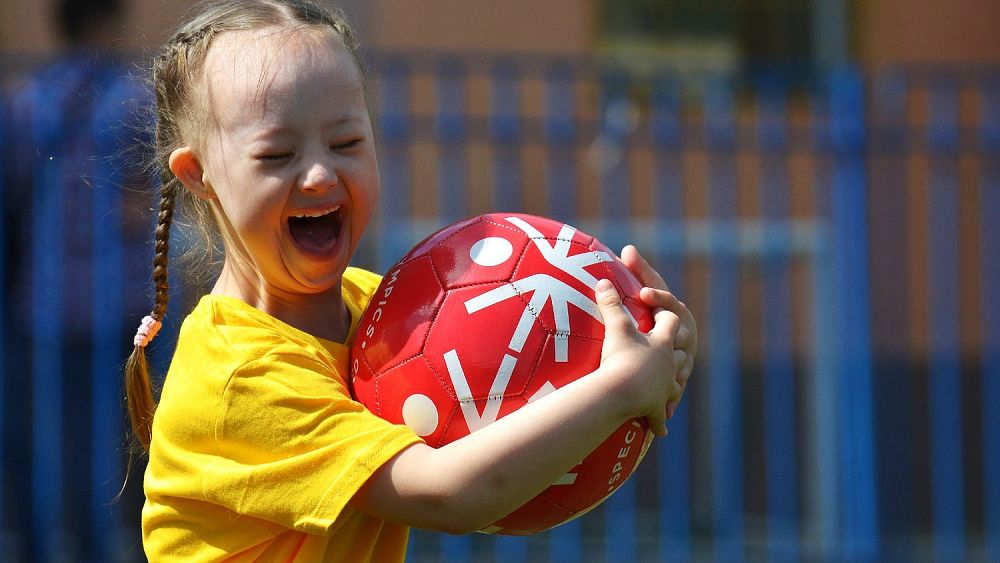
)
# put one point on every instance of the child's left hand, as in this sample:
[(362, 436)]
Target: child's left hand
[(656, 294)]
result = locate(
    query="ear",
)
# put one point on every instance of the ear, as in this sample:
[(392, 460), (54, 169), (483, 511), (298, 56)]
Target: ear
[(184, 164)]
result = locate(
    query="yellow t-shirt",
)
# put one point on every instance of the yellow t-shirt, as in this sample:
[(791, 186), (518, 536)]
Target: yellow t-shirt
[(257, 445)]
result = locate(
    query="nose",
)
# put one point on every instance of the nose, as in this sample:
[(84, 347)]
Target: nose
[(321, 175)]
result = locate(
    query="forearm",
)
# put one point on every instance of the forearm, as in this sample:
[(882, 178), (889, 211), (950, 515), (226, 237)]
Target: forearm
[(476, 480)]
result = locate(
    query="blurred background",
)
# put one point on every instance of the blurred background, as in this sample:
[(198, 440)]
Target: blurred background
[(818, 179)]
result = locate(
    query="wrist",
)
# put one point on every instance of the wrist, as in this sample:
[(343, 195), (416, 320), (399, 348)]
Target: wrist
[(622, 396)]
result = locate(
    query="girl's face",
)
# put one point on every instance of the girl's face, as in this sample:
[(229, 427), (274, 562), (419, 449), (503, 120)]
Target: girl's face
[(287, 153)]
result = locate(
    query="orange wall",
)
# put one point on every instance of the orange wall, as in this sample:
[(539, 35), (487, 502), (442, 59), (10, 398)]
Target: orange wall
[(886, 31), (24, 26), (929, 31), (514, 25)]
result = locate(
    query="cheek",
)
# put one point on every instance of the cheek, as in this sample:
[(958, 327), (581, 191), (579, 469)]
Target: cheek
[(366, 191), (371, 199), (251, 210)]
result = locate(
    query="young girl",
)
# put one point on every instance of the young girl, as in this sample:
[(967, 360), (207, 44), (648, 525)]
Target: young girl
[(256, 450)]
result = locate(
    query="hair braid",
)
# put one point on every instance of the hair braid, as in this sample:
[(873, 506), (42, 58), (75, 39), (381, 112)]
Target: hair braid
[(161, 250), (138, 383)]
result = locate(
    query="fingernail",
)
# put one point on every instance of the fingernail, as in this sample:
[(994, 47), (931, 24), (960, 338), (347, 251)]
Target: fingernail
[(603, 287), (671, 408)]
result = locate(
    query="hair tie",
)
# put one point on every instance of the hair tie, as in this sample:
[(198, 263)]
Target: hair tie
[(147, 331)]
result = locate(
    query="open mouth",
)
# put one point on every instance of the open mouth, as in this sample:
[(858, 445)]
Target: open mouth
[(316, 232)]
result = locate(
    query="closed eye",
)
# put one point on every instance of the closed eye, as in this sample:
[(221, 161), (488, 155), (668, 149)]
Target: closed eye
[(274, 157), (346, 144)]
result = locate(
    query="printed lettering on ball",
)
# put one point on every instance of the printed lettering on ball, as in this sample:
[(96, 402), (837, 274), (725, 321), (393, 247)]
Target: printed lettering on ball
[(483, 317)]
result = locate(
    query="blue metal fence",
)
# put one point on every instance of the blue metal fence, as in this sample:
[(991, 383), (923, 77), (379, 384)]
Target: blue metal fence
[(989, 224), (767, 204)]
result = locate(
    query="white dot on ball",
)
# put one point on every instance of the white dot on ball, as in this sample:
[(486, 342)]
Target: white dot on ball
[(420, 414), (491, 251)]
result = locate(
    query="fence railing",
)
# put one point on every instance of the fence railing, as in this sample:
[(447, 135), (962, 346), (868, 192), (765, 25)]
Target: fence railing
[(836, 236)]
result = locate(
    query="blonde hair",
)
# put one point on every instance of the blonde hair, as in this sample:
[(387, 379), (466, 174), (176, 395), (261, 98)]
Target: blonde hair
[(175, 73)]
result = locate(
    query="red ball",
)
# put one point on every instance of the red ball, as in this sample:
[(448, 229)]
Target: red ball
[(485, 316)]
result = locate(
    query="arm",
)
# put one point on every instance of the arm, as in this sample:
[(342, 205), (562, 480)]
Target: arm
[(474, 481)]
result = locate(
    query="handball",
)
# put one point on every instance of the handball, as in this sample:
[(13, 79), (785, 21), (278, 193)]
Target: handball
[(483, 317)]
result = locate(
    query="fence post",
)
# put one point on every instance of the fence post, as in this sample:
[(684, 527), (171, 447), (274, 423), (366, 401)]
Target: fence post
[(4, 152), (989, 224), (894, 388), (452, 131), (561, 138), (452, 201), (725, 387), (674, 457), (617, 120), (943, 327), (614, 229), (394, 224), (49, 539), (108, 123), (505, 121), (505, 127), (560, 129), (849, 208), (780, 436)]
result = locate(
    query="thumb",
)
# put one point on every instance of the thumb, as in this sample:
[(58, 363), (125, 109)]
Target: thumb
[(609, 303)]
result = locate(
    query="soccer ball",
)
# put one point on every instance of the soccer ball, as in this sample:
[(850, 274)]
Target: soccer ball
[(483, 317)]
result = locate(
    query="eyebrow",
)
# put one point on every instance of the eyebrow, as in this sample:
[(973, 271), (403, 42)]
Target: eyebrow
[(269, 131)]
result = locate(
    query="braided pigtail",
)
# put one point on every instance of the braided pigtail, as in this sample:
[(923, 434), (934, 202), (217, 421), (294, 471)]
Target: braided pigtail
[(171, 71), (138, 383)]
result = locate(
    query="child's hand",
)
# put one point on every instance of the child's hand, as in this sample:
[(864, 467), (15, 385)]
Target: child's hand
[(643, 363), (657, 295)]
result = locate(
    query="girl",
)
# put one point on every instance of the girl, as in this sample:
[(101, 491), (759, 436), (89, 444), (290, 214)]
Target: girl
[(256, 450)]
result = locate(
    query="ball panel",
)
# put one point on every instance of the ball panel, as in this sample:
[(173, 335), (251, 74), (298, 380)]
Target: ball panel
[(500, 319), (536, 227), (536, 515), (409, 295), (435, 238), (603, 470), (362, 383), (396, 387), (455, 257), (455, 350), (583, 352)]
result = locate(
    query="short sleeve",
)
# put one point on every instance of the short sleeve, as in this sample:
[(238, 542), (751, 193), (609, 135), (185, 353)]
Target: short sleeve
[(292, 447)]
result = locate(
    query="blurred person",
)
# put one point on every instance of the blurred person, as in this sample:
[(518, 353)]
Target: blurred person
[(75, 131)]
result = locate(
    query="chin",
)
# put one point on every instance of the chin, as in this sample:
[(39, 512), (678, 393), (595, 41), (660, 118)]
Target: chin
[(320, 284)]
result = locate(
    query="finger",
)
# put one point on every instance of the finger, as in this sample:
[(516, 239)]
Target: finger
[(665, 325), (653, 297), (683, 373), (688, 369), (641, 269), (685, 339), (680, 360), (659, 298), (672, 408), (610, 305), (675, 399), (658, 424)]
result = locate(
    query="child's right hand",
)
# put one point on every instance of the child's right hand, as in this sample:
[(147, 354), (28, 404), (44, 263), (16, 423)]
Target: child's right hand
[(644, 362)]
